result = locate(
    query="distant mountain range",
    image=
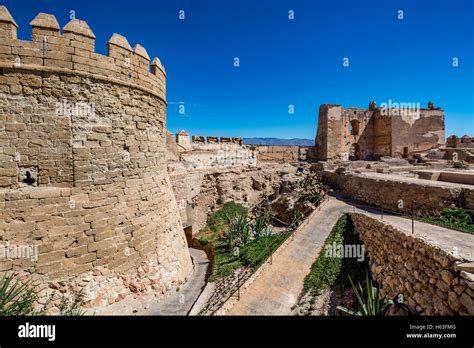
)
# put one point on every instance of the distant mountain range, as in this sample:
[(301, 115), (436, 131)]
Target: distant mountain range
[(278, 141)]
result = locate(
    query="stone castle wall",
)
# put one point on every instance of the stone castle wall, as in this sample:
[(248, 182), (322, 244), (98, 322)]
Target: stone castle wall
[(430, 197), (278, 153), (83, 166), (432, 281), (211, 156)]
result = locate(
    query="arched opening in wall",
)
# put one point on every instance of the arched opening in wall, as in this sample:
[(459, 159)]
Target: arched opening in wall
[(354, 127), (355, 152)]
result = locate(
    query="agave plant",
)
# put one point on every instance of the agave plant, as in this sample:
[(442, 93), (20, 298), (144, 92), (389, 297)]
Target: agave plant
[(238, 233), (370, 301), (16, 298), (258, 227), (261, 226)]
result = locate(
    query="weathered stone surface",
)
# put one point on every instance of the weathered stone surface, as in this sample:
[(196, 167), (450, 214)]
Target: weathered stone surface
[(121, 41), (78, 26), (465, 266), (141, 51), (468, 276), (44, 20), (83, 167), (6, 17), (356, 133)]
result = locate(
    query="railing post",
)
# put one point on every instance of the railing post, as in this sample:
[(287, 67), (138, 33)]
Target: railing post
[(412, 216), (238, 285), (382, 213)]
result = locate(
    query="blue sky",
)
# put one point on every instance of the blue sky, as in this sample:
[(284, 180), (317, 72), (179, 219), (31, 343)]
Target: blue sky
[(286, 62)]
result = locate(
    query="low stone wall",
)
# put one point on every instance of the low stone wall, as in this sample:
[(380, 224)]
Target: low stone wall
[(103, 243), (465, 178), (460, 178), (281, 153), (430, 280), (397, 195)]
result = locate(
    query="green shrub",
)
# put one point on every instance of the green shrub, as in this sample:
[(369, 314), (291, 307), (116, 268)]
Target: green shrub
[(325, 270), (296, 219), (256, 252), (224, 261), (253, 253), (221, 218), (314, 188), (452, 218)]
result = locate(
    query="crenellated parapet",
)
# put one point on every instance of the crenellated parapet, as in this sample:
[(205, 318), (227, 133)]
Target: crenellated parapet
[(83, 173), (216, 140), (73, 51)]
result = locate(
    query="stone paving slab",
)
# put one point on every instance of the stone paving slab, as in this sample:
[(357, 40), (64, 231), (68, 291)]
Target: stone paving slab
[(182, 302)]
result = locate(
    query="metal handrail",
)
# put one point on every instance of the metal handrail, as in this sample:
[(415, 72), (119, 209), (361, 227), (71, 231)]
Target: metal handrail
[(384, 210), (236, 287)]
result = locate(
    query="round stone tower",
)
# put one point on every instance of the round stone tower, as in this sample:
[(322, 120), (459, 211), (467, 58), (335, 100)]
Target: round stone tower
[(86, 201)]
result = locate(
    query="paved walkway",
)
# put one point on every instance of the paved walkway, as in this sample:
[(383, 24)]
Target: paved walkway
[(276, 289)]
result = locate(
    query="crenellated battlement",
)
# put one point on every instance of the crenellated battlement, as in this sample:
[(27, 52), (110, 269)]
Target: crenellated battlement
[(198, 139), (73, 51)]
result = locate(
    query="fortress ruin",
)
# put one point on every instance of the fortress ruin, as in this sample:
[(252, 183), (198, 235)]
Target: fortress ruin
[(368, 134)]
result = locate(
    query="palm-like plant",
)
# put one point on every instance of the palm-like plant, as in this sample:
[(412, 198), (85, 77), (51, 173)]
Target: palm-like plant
[(261, 224), (370, 301), (16, 298), (238, 233)]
